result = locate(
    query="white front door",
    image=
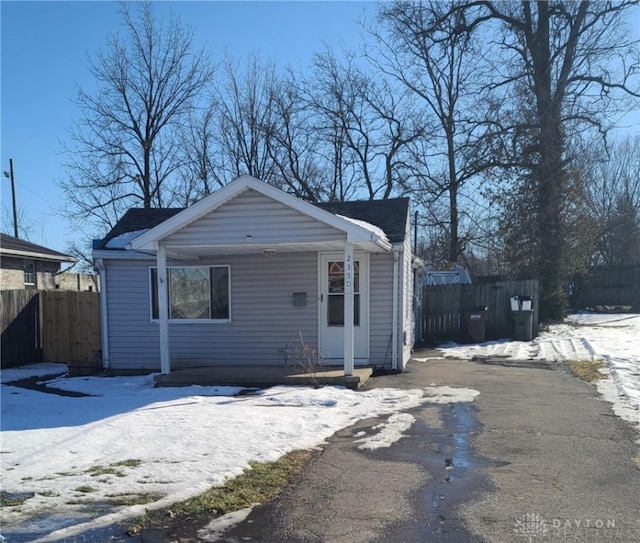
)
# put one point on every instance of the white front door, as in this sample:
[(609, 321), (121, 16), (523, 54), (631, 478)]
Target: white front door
[(331, 317)]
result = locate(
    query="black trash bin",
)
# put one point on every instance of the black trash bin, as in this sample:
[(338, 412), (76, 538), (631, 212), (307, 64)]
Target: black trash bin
[(523, 322), (474, 325)]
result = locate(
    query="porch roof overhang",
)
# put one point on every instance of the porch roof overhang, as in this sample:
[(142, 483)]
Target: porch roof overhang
[(361, 235)]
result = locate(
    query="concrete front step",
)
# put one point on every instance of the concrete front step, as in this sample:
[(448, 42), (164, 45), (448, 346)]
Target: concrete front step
[(258, 376)]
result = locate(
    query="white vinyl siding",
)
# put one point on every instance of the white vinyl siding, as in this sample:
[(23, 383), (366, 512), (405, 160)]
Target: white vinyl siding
[(406, 293), (381, 308), (265, 322), (253, 214)]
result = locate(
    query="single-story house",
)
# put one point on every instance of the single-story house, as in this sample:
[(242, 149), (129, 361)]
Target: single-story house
[(240, 276), (25, 265)]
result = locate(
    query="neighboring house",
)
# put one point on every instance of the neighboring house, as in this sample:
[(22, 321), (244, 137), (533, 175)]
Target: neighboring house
[(246, 270), (25, 265)]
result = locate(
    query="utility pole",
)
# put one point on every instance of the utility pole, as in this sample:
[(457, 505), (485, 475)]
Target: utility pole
[(9, 174)]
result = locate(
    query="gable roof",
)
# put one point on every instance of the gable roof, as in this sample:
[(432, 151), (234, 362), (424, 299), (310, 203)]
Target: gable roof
[(389, 215), (11, 246)]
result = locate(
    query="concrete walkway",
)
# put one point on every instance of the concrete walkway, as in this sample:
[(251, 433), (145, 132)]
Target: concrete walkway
[(538, 457)]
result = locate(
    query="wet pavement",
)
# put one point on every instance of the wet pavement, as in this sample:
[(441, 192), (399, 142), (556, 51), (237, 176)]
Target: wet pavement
[(411, 490), (446, 453)]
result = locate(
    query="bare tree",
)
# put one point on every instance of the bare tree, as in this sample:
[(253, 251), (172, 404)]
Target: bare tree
[(367, 125), (566, 65), (613, 203), (424, 51), (295, 148), (242, 105), (124, 151), (199, 176)]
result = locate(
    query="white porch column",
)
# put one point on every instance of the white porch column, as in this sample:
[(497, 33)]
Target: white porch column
[(348, 308), (163, 310)]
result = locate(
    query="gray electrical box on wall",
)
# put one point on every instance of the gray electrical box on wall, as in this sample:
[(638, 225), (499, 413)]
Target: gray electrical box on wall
[(299, 299)]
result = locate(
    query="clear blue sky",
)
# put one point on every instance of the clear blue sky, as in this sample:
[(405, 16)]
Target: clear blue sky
[(44, 54)]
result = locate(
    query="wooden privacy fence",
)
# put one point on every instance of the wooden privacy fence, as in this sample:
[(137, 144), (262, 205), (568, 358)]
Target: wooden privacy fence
[(443, 308), (70, 325), (21, 341), (49, 326), (606, 287)]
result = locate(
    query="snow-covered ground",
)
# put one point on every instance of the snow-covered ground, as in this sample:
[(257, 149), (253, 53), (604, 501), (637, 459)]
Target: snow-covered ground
[(611, 338), (129, 438)]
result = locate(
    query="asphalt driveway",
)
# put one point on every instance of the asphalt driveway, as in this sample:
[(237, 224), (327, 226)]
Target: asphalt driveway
[(538, 457)]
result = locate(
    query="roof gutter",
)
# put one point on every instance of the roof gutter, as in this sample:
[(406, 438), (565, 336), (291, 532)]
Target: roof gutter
[(38, 256), (383, 243)]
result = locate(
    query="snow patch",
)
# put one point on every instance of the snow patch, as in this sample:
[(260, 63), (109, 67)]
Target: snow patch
[(390, 432), (214, 531), (121, 241), (367, 226), (445, 394)]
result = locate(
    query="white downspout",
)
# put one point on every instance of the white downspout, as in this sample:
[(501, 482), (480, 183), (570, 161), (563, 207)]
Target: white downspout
[(104, 314), (394, 320)]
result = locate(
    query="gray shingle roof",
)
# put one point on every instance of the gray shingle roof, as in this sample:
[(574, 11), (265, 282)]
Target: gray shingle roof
[(390, 215), (20, 247)]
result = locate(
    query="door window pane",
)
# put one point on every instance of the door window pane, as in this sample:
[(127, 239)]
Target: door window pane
[(335, 312), (335, 297), (336, 277)]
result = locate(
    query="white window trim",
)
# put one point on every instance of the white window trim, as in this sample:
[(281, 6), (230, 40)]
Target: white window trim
[(188, 321)]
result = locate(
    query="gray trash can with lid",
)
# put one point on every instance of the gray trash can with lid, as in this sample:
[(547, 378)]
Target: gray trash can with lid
[(523, 322)]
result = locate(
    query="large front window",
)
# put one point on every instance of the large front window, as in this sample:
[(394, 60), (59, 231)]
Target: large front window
[(195, 293)]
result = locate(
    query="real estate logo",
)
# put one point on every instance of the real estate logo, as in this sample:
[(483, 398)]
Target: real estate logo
[(531, 525)]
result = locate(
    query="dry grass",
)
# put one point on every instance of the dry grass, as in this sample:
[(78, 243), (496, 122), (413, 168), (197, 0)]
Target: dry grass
[(259, 484), (587, 370)]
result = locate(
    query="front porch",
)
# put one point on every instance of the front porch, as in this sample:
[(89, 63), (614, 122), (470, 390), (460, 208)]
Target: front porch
[(263, 376)]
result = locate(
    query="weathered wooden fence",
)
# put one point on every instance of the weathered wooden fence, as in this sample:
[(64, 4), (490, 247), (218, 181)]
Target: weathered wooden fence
[(20, 320), (443, 308), (49, 326)]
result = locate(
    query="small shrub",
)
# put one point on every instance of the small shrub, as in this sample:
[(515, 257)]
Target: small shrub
[(305, 358)]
